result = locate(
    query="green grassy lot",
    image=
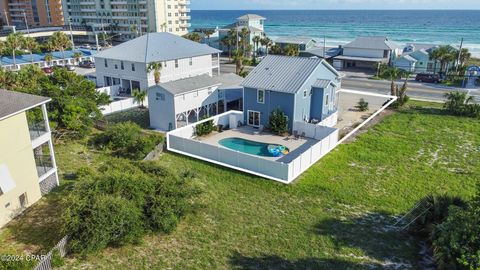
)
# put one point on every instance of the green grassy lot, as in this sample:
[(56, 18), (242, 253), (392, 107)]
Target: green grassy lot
[(337, 215)]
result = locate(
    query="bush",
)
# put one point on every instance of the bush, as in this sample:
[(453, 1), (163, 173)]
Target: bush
[(123, 202), (362, 105), (57, 260), (459, 104), (127, 140), (204, 128), (278, 122)]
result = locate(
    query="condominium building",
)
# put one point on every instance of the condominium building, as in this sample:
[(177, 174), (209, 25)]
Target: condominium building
[(31, 13), (27, 160), (128, 19)]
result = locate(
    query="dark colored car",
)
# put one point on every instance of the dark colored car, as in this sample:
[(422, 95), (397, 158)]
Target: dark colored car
[(87, 64), (428, 78), (48, 70)]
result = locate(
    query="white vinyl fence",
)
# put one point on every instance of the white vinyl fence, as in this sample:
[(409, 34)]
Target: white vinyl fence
[(119, 105), (180, 141)]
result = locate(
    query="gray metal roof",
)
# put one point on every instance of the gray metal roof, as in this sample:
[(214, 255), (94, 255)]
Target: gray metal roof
[(12, 103), (281, 73), (373, 42), (156, 47), (251, 17), (189, 84), (229, 80), (360, 58), (322, 83), (294, 40)]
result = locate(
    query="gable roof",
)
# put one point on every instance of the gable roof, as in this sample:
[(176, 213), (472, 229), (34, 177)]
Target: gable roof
[(250, 17), (12, 103), (372, 42), (294, 40), (156, 47), (283, 73)]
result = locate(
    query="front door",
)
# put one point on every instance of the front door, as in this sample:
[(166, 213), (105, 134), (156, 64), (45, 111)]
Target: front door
[(254, 118)]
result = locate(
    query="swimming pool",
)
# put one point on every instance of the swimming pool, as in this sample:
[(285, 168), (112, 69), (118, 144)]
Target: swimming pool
[(250, 147)]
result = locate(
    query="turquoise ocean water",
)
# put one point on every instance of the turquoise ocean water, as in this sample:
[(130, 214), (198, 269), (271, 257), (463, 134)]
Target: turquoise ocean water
[(342, 26)]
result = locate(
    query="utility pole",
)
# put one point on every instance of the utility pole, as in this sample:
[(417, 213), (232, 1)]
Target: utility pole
[(71, 33), (459, 55), (236, 30), (324, 44)]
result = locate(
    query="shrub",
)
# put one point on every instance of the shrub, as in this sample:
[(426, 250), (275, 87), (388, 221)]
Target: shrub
[(57, 260), (204, 128), (362, 105), (121, 203), (127, 140), (459, 104), (278, 122)]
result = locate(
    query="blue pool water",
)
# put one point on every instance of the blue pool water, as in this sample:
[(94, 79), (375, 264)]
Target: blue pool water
[(246, 146)]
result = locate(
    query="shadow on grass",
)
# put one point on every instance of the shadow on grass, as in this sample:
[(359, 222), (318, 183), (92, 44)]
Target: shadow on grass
[(140, 116), (238, 261), (424, 110)]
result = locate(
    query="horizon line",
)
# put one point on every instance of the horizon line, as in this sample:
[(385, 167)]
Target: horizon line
[(338, 9)]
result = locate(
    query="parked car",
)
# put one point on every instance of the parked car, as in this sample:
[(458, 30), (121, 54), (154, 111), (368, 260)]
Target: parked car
[(87, 64), (48, 70), (428, 78), (69, 67)]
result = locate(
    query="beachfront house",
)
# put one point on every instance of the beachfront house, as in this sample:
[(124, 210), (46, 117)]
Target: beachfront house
[(251, 22), (124, 67), (416, 58), (302, 43), (27, 161), (367, 53), (303, 88), (179, 103)]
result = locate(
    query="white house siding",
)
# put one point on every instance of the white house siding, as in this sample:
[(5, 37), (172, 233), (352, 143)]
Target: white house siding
[(364, 52), (195, 99), (162, 112), (200, 65), (139, 74)]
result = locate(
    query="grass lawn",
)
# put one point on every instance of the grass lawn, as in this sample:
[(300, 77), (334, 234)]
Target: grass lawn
[(337, 215)]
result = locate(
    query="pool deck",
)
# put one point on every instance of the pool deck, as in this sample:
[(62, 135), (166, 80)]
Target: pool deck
[(296, 146)]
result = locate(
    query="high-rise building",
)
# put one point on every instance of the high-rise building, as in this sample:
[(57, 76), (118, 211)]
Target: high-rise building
[(34, 13), (127, 19)]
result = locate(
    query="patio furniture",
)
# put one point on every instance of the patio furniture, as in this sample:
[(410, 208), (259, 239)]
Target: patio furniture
[(295, 134), (303, 135)]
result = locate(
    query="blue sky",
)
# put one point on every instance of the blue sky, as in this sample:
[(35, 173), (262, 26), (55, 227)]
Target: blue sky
[(335, 4)]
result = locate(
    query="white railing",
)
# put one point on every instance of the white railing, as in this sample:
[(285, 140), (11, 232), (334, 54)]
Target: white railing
[(120, 105)]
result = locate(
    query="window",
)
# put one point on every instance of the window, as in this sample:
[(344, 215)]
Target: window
[(305, 93), (116, 66), (261, 96), (160, 96), (385, 53), (133, 67), (105, 62), (121, 65), (23, 200), (176, 63), (326, 99), (191, 61)]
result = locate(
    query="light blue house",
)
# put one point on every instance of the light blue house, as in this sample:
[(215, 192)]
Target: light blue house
[(416, 59), (303, 88)]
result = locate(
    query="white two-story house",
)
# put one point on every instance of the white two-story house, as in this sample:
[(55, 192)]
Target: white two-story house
[(126, 65), (251, 22), (367, 53)]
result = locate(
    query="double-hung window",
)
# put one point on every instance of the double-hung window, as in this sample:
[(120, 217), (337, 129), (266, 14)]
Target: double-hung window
[(261, 96)]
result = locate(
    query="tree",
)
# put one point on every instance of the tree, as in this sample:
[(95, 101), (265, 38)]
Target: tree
[(238, 58), (30, 44), (394, 74), (267, 43), (456, 102), (362, 105), (139, 96), (227, 42), (60, 41), (278, 122), (156, 67), (193, 37), (445, 55), (256, 41), (291, 50), (276, 49), (208, 33), (77, 56), (245, 38), (48, 58), (465, 56), (14, 43), (3, 46)]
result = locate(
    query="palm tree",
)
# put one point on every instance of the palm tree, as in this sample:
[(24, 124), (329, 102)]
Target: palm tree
[(238, 58), (156, 67), (208, 33), (3, 46), (435, 55), (465, 56), (456, 102), (60, 41), (267, 43), (77, 56), (48, 58), (193, 37), (14, 43), (139, 96), (30, 44), (444, 54), (244, 37), (291, 50), (394, 74), (227, 41), (256, 41)]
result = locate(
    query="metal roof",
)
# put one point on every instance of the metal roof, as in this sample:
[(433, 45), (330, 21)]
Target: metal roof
[(294, 40), (409, 58), (157, 47), (281, 73), (322, 83), (359, 58), (240, 27), (189, 84), (40, 57), (373, 42), (12, 103), (251, 17)]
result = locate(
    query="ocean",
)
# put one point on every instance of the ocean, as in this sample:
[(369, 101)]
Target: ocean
[(342, 26)]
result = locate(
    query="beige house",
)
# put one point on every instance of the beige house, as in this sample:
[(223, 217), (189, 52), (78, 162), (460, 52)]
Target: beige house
[(27, 161)]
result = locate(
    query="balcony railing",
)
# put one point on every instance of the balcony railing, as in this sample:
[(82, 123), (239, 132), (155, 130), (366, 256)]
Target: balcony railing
[(44, 164), (37, 129)]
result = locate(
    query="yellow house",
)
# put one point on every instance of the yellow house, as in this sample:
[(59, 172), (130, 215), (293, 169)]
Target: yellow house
[(27, 161)]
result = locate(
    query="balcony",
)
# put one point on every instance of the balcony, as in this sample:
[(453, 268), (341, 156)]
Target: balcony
[(37, 130), (184, 3), (185, 24), (185, 17), (45, 166)]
